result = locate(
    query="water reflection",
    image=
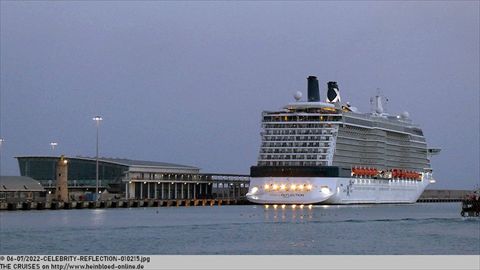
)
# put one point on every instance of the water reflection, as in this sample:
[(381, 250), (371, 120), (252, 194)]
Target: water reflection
[(98, 217), (288, 213)]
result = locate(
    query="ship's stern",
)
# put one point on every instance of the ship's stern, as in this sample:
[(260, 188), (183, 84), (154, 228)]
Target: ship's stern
[(290, 190)]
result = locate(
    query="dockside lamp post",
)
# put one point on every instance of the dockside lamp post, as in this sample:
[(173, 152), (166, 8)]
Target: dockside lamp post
[(97, 119), (2, 140), (53, 145)]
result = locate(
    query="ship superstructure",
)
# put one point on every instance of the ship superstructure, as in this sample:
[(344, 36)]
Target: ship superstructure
[(329, 152)]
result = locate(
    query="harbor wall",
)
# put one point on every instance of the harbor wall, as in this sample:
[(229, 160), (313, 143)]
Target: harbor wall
[(443, 195), (428, 196)]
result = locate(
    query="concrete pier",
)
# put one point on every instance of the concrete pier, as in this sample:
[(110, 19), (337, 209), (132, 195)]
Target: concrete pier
[(118, 204), (429, 196), (437, 195)]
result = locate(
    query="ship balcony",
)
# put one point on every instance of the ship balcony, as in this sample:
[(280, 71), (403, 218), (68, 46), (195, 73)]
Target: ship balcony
[(293, 145), (293, 163), (319, 150), (302, 132), (300, 122), (265, 139), (311, 158), (297, 126)]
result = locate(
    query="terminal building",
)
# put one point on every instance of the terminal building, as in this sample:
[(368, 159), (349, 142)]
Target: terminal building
[(136, 179)]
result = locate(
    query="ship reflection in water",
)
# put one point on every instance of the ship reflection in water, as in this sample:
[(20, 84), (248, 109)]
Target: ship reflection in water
[(291, 212)]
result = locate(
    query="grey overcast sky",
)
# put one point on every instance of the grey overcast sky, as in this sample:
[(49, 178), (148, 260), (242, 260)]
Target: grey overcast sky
[(186, 82)]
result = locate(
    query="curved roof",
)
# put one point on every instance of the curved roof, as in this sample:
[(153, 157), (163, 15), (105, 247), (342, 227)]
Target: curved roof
[(19, 183), (124, 162)]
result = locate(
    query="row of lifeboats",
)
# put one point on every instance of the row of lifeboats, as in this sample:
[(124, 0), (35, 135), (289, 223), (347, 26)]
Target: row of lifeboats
[(396, 173), (393, 173), (361, 171)]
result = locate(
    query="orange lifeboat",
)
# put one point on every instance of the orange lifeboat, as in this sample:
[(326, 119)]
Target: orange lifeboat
[(372, 172), (367, 171), (361, 171)]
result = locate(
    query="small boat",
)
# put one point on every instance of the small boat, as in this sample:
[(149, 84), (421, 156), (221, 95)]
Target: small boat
[(471, 205)]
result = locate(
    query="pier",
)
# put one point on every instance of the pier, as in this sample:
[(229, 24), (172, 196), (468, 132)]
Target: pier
[(24, 193), (11, 206)]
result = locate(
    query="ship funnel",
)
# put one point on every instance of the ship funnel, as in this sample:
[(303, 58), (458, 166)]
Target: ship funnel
[(313, 90), (333, 94)]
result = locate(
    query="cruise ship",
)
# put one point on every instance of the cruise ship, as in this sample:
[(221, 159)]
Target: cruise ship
[(327, 152)]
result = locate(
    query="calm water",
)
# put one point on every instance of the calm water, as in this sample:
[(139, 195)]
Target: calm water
[(374, 229)]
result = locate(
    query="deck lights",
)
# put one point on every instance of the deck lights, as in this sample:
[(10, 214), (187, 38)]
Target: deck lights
[(309, 187), (282, 187), (325, 190), (283, 206), (294, 206), (275, 206), (275, 187), (301, 206), (266, 187), (293, 187), (254, 190), (300, 187)]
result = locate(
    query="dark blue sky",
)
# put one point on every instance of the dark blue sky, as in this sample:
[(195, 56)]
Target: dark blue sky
[(186, 82)]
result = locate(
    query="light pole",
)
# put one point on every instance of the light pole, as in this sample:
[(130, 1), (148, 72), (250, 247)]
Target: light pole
[(53, 145), (97, 119), (2, 140)]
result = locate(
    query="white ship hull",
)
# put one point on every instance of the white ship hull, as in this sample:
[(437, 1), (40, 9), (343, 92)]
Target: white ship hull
[(335, 190)]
